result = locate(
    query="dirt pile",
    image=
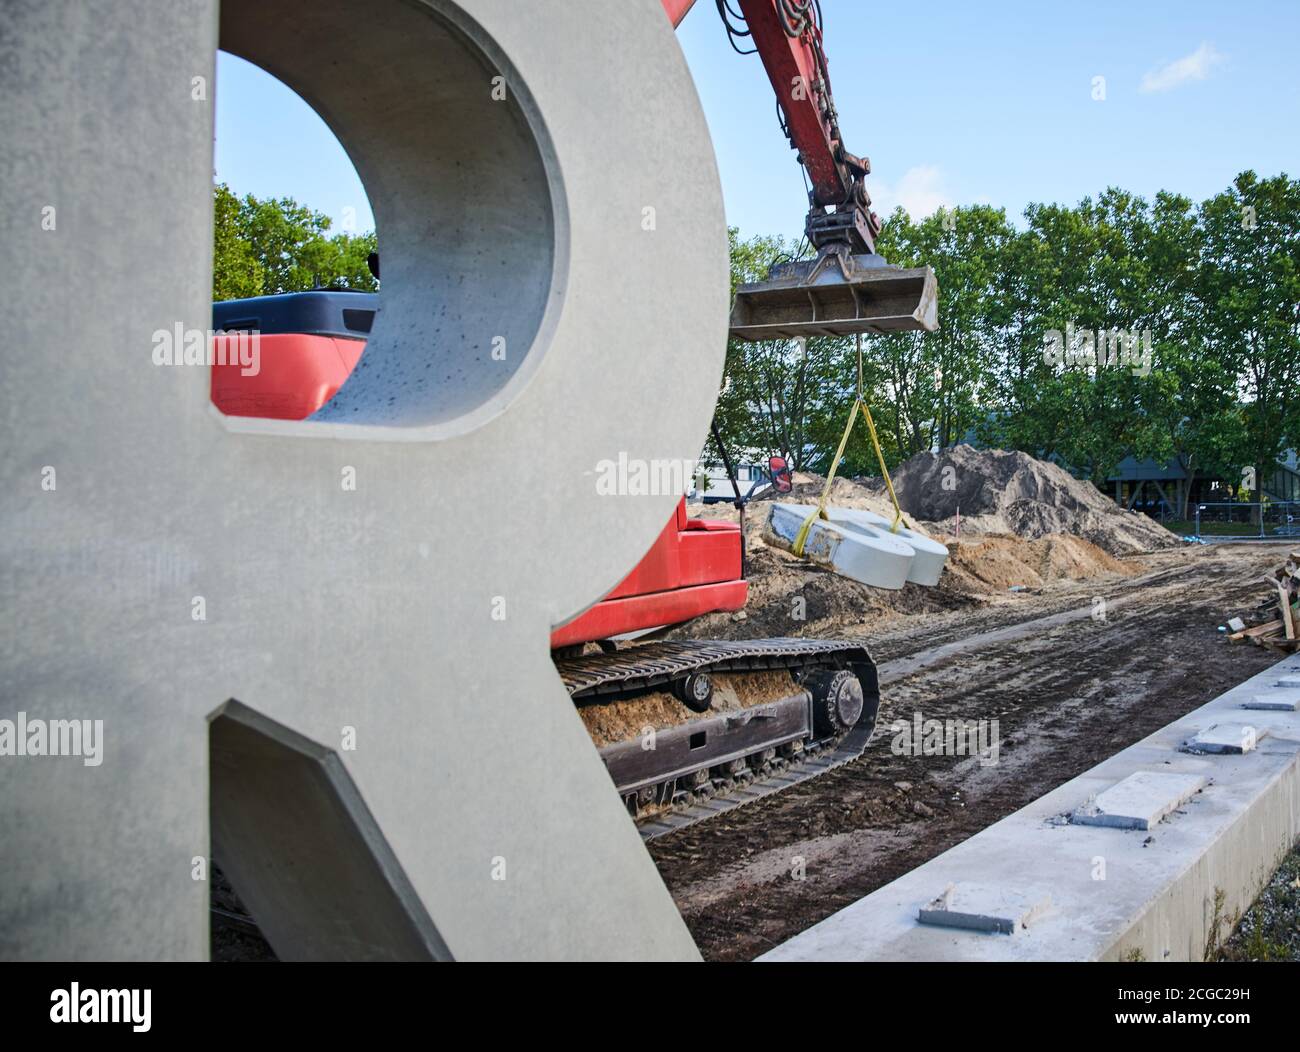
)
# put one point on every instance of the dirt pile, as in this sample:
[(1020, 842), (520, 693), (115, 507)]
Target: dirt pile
[(989, 564), (1000, 492), (845, 493), (789, 596)]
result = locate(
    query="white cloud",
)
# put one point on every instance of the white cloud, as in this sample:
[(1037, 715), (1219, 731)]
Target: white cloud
[(1195, 66), (920, 192)]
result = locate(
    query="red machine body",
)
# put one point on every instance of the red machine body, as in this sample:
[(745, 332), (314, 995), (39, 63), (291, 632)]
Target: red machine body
[(298, 373), (693, 568)]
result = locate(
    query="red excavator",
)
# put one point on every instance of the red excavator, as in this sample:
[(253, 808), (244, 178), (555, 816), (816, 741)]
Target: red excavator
[(687, 729)]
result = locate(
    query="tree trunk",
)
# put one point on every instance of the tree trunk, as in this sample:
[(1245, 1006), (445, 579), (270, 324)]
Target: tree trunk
[(1187, 494)]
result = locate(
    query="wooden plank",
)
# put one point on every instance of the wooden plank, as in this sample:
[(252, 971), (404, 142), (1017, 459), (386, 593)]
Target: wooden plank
[(1284, 602), (1257, 630)]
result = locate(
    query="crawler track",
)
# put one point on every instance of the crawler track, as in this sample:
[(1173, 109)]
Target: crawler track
[(640, 668), (627, 673), (830, 755), (848, 748)]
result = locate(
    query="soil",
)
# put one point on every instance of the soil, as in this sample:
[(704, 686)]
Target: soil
[(234, 935), (621, 720), (1073, 672), (997, 491)]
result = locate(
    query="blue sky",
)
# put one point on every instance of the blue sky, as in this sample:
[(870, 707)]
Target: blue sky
[(955, 103)]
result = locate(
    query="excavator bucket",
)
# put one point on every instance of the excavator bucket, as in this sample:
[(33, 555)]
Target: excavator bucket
[(836, 295)]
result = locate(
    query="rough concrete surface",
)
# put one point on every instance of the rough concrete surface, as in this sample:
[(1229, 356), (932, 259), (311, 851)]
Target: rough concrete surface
[(974, 906), (1139, 801), (1225, 738), (183, 560)]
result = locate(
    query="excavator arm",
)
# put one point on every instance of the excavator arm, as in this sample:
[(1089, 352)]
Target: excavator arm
[(787, 36), (847, 288)]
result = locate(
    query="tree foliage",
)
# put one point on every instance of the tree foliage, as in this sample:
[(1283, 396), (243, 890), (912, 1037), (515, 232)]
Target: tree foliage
[(774, 391), (1214, 288), (266, 247)]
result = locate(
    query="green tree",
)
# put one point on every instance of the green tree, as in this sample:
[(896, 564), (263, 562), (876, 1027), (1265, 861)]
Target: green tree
[(272, 246), (932, 387), (1247, 309), (236, 271), (1191, 398), (1216, 287), (1116, 264)]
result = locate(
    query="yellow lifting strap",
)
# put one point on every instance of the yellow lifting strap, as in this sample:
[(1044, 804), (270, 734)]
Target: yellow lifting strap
[(858, 404)]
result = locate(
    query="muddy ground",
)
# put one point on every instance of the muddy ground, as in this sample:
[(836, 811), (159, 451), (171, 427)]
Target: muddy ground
[(1067, 691)]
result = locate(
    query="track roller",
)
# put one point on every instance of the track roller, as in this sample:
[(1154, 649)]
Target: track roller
[(837, 701), (695, 691)]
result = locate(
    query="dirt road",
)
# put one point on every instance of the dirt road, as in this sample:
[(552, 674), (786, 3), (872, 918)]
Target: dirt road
[(1067, 690)]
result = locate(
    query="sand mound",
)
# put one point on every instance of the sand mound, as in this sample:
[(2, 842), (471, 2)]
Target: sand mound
[(997, 563), (1000, 492), (1024, 524), (789, 596), (845, 493)]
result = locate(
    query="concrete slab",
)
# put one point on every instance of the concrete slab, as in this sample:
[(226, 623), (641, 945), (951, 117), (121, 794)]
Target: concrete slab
[(986, 908), (1140, 800), (928, 555), (1160, 894), (1274, 701), (855, 550), (1226, 738), (1289, 681)]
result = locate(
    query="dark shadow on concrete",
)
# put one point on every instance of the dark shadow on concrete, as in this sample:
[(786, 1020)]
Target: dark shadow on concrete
[(303, 851)]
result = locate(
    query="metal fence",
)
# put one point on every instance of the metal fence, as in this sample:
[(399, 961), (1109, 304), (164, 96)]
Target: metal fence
[(1271, 519)]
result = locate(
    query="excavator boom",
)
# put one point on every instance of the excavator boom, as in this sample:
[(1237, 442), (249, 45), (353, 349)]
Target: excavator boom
[(847, 288)]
